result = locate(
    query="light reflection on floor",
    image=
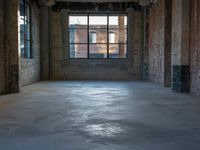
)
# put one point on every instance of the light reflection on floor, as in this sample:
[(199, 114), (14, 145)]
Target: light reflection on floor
[(104, 130)]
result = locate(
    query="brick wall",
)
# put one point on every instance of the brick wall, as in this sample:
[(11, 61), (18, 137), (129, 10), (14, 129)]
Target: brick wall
[(159, 43), (11, 46), (195, 47), (2, 55), (93, 69), (156, 43), (30, 68)]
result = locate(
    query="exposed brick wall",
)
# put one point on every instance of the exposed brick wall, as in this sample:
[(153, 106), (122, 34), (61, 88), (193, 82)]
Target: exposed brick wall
[(168, 43), (159, 43), (9, 64), (195, 47), (11, 46), (30, 68), (94, 69), (156, 43), (137, 41), (2, 54)]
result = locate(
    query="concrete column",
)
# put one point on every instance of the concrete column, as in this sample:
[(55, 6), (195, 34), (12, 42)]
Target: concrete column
[(168, 43), (65, 32), (121, 37), (45, 42), (180, 45), (135, 34), (130, 33), (145, 45), (135, 41), (11, 46)]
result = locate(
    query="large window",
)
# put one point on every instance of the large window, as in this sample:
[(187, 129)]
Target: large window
[(25, 29), (98, 36)]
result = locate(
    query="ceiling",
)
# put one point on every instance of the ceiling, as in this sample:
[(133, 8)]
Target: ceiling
[(141, 2), (96, 0)]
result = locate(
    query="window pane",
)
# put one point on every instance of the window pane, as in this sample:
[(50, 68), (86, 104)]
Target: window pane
[(98, 21), (117, 50), (22, 10), (118, 21), (27, 31), (120, 35), (27, 11), (22, 48), (103, 31), (22, 29), (78, 21), (28, 49), (98, 50), (78, 50), (78, 35), (101, 35)]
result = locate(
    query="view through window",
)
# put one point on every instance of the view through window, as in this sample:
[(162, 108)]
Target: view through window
[(25, 29), (98, 36)]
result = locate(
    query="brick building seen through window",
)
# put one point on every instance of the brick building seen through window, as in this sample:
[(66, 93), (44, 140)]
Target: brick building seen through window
[(98, 36)]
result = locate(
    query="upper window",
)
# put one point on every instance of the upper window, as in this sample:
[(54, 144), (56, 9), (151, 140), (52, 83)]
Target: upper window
[(25, 29), (112, 37), (98, 36), (93, 37)]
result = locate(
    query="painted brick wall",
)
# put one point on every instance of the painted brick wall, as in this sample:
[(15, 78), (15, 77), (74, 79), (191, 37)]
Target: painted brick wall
[(195, 47), (94, 69), (30, 68)]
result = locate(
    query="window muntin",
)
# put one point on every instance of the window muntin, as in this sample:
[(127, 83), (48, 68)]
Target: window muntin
[(25, 29), (103, 36)]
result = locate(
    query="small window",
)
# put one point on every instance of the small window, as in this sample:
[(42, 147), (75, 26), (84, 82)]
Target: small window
[(111, 37), (25, 29), (97, 36), (93, 37)]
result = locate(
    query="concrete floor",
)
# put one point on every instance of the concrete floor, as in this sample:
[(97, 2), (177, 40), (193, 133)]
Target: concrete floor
[(89, 115)]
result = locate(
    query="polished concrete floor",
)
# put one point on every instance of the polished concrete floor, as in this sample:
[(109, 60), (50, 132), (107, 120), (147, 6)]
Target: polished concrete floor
[(99, 115)]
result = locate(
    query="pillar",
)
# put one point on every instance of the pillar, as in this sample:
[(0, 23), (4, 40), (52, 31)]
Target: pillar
[(180, 45), (12, 84), (45, 41)]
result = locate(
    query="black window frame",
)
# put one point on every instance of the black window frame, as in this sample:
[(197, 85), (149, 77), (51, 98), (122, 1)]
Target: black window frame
[(88, 34), (26, 18)]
